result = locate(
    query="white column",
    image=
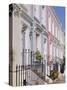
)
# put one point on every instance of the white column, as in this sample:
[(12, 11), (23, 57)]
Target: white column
[(59, 68), (48, 70), (52, 67), (34, 40)]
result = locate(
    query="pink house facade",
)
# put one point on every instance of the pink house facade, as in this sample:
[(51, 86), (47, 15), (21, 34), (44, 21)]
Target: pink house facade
[(55, 40)]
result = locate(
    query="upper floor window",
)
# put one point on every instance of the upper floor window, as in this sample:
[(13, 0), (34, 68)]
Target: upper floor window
[(56, 31), (49, 23), (53, 28)]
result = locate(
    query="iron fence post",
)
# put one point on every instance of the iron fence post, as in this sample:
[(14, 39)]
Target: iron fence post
[(16, 74)]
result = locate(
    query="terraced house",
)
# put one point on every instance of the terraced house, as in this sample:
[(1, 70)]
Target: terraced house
[(36, 44), (55, 40)]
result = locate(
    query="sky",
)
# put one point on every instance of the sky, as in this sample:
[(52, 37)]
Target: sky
[(60, 11)]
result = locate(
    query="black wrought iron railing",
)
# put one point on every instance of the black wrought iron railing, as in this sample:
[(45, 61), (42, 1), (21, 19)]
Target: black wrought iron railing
[(28, 64)]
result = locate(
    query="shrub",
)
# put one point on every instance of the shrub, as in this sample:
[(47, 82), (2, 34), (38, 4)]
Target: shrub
[(38, 55), (54, 74)]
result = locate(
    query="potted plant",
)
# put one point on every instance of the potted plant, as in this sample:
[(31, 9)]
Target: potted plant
[(54, 74)]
